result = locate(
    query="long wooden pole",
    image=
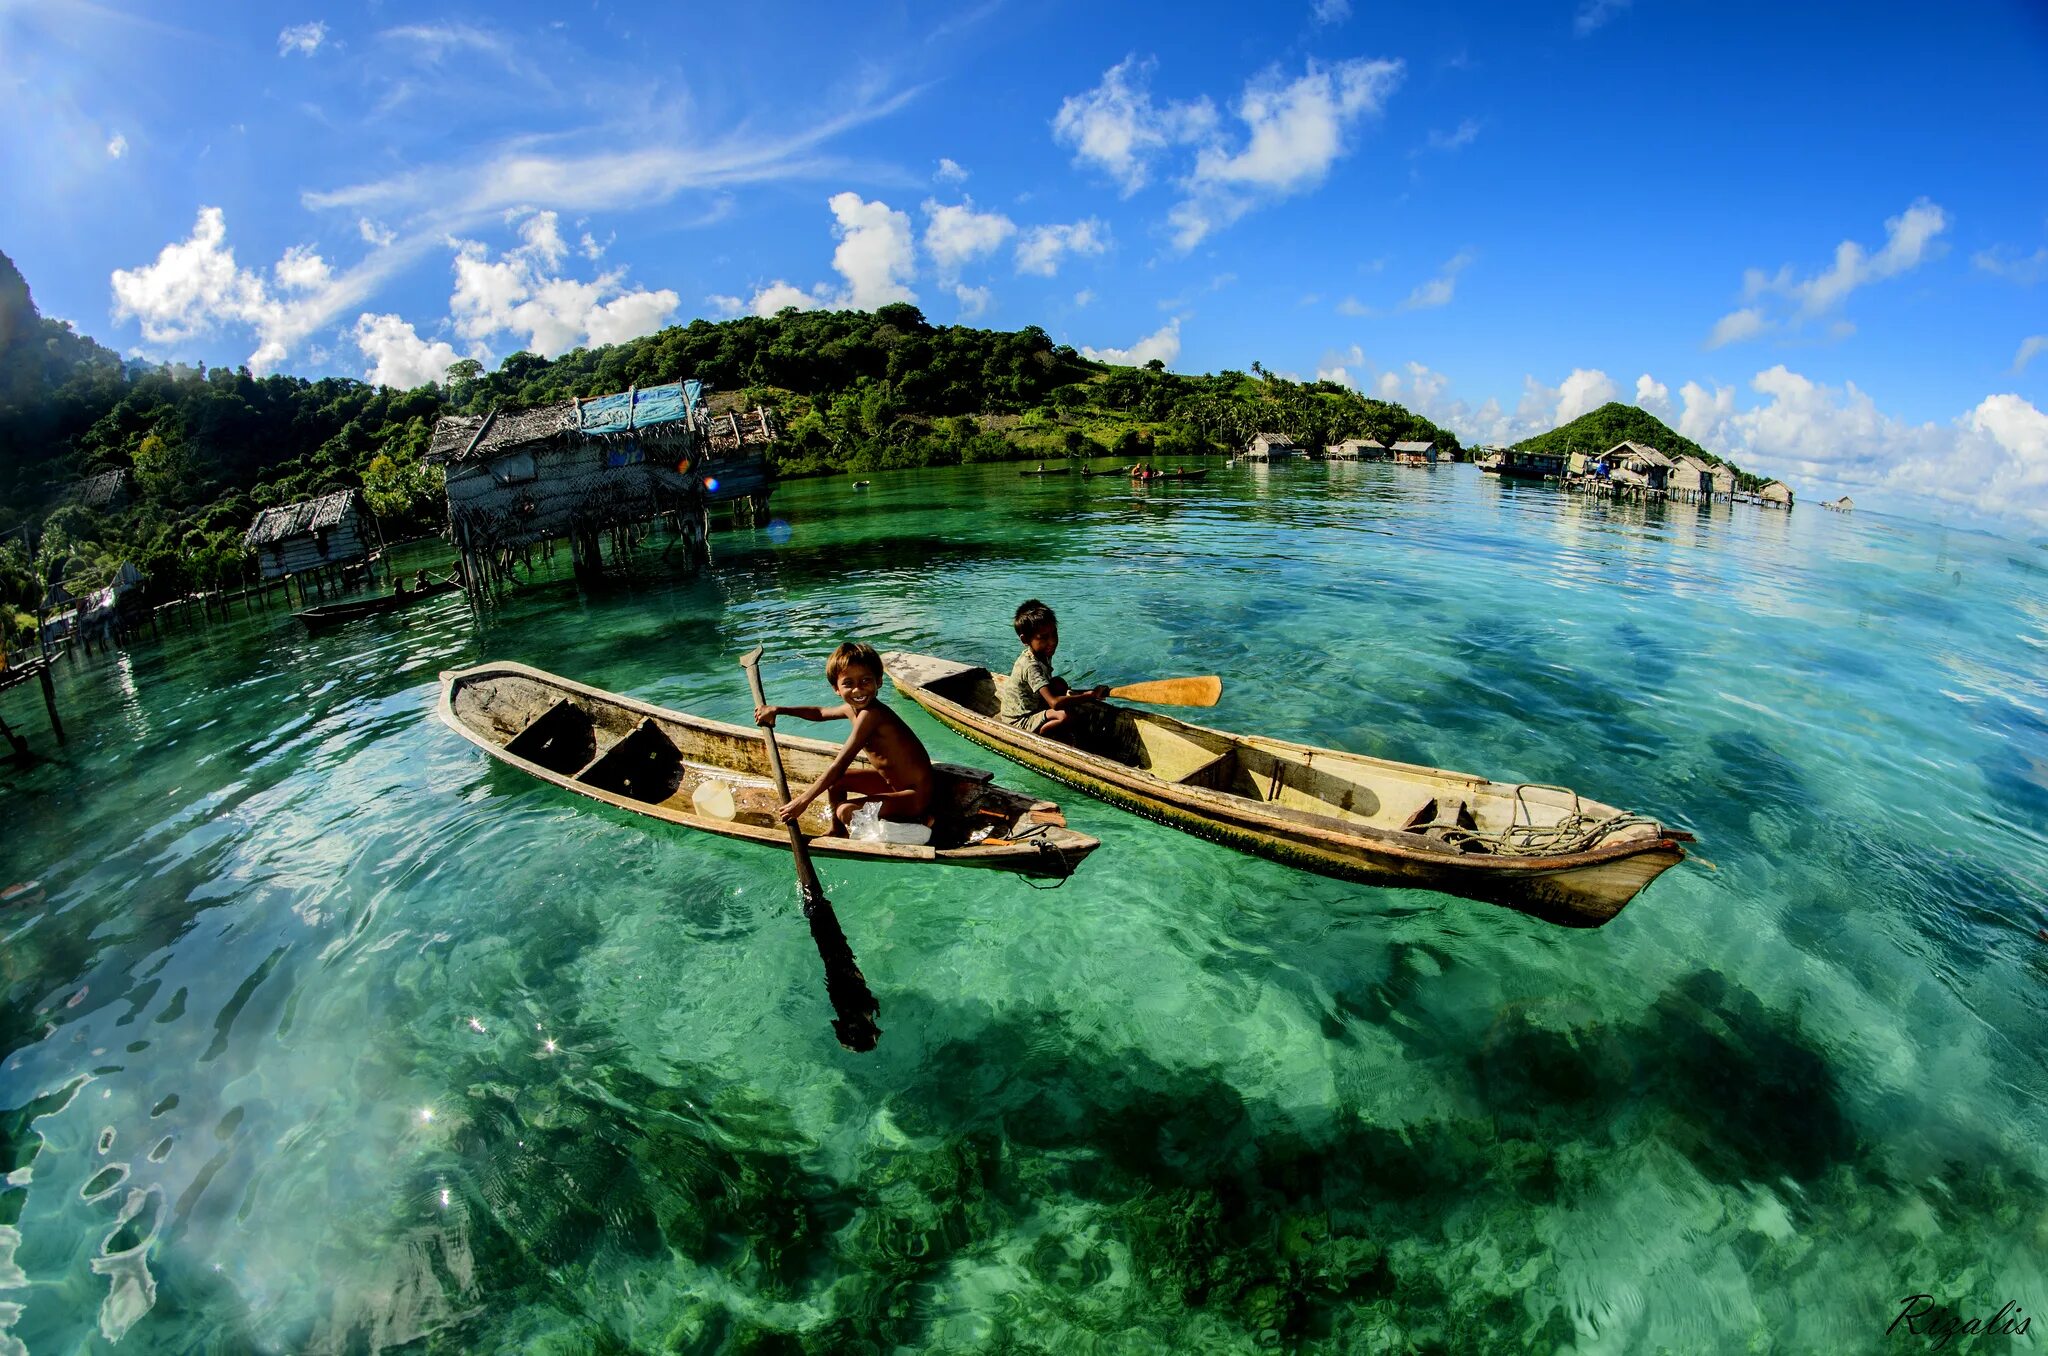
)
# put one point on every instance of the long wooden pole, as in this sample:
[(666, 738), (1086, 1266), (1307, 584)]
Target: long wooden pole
[(845, 986)]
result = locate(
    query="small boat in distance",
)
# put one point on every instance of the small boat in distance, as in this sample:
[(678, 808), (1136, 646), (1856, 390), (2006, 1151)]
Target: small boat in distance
[(1542, 850), (1145, 474), (862, 484), (703, 774), (1043, 470), (334, 614)]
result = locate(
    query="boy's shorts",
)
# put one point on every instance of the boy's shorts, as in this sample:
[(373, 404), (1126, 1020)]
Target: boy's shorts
[(1034, 722)]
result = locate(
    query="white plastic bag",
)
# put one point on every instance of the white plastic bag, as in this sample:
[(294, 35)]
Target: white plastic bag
[(868, 826)]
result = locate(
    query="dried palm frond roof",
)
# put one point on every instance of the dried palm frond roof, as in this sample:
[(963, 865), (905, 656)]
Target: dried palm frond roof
[(643, 412), (96, 491), (1413, 447), (293, 520)]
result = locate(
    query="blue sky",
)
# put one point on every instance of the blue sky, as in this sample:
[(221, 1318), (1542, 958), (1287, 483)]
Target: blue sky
[(1814, 238)]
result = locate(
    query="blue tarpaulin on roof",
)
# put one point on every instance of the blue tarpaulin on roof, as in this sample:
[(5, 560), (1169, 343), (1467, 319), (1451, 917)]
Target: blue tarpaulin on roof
[(645, 408)]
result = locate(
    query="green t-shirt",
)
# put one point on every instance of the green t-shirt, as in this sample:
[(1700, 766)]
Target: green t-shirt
[(1021, 697)]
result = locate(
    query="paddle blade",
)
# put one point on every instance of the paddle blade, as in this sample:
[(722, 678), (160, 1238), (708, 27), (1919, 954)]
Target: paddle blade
[(853, 1004), (1173, 691)]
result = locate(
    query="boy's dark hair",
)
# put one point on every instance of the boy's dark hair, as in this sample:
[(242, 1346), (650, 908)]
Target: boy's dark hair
[(851, 653), (1033, 617)]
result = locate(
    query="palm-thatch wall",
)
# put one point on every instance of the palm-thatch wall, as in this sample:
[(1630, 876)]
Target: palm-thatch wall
[(313, 534)]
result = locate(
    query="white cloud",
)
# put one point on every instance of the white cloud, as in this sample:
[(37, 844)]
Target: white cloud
[(1653, 395), (1084, 296), (195, 287), (305, 39), (776, 296), (398, 356), (956, 235), (1439, 290), (1040, 249), (2024, 269), (1327, 12), (1163, 344), (1594, 14), (2029, 346), (875, 255), (949, 171), (375, 234), (301, 270), (1737, 326), (1911, 238), (1295, 131), (1585, 389), (590, 249), (1118, 129), (518, 294), (973, 300), (118, 146), (1464, 134), (542, 237)]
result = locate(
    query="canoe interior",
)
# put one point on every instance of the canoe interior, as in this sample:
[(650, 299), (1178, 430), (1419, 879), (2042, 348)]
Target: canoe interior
[(662, 763), (1375, 793)]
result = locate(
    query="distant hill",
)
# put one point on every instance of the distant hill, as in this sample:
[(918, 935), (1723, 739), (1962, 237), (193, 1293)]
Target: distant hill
[(1614, 422)]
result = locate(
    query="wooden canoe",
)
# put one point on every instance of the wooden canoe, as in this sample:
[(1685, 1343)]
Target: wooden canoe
[(334, 614), (652, 761), (1053, 471), (1340, 814)]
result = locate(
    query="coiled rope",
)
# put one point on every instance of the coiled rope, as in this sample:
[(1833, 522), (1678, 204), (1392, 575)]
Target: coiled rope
[(1523, 837)]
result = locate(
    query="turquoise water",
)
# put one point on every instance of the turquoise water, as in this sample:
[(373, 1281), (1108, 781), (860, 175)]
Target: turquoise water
[(330, 1035)]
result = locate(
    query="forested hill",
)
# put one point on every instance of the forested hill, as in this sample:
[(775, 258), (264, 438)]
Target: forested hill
[(1614, 422), (850, 391)]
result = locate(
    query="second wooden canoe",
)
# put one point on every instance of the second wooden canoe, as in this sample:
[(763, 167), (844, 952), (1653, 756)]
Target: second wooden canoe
[(1336, 813), (334, 614), (652, 761)]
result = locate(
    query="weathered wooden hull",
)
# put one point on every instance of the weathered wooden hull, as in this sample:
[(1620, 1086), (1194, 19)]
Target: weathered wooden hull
[(1582, 889), (590, 749), (334, 614)]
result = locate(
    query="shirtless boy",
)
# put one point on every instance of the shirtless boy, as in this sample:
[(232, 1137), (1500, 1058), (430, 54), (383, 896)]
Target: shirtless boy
[(899, 774)]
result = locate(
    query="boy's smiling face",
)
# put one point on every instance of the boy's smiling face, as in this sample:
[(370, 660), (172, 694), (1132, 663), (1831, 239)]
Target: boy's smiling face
[(857, 685), (1044, 641)]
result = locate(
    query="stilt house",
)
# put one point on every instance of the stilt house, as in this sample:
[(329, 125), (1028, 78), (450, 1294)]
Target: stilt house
[(1646, 465), (583, 469), (1356, 449), (315, 534), (1777, 494), (1415, 453), (1270, 447), (103, 493)]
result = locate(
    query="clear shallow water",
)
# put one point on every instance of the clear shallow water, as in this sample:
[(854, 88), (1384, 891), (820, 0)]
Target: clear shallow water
[(333, 1036)]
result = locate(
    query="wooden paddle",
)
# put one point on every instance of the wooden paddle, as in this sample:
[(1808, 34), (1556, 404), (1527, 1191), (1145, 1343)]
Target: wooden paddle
[(1173, 691), (845, 986)]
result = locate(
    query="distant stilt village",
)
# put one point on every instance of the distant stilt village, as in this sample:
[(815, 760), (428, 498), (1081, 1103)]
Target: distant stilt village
[(604, 474)]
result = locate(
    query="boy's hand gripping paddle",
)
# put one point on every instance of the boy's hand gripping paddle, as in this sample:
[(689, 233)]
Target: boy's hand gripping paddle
[(845, 986)]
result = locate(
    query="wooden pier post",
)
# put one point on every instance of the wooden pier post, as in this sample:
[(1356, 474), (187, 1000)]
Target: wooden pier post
[(50, 702)]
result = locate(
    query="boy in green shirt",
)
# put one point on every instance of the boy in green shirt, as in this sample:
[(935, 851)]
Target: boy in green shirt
[(1035, 700)]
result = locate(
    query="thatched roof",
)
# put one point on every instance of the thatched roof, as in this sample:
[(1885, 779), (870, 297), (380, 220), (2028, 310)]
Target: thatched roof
[(295, 520), (1634, 451), (1413, 447), (97, 491), (1361, 444), (1273, 439), (647, 412)]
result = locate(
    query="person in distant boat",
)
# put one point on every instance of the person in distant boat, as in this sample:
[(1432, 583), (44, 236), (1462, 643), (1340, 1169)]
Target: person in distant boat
[(899, 774), (1035, 700), (398, 587), (419, 582)]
